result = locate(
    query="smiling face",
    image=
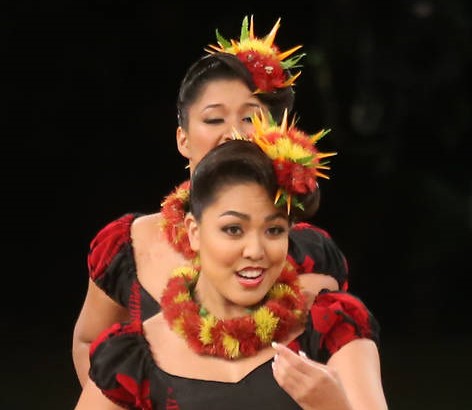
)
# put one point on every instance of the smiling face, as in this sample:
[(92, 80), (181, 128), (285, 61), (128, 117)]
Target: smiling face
[(224, 105), (242, 239)]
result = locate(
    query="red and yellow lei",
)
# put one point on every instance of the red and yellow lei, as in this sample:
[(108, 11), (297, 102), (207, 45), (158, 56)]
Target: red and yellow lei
[(234, 338), (173, 210)]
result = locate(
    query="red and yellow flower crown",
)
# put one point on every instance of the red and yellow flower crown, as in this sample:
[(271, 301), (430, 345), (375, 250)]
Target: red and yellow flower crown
[(261, 57), (297, 161)]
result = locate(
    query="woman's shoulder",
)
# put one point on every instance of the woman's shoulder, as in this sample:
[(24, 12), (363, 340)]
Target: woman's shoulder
[(313, 250), (145, 227), (119, 363), (335, 319), (108, 243), (341, 317), (111, 258)]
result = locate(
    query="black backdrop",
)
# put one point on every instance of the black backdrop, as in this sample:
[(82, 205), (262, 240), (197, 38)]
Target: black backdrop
[(90, 89)]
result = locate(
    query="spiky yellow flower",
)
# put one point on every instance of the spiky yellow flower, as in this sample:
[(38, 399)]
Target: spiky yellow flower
[(207, 324), (184, 271), (297, 162), (266, 323), (281, 290), (231, 346), (178, 326)]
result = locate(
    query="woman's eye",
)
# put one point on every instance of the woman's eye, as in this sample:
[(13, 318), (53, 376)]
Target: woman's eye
[(232, 230), (247, 119), (276, 230), (214, 121)]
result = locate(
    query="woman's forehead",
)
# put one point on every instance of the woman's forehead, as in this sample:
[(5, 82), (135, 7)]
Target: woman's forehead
[(224, 91)]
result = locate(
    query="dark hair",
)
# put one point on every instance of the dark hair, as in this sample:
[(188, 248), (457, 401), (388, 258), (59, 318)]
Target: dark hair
[(225, 66), (237, 161)]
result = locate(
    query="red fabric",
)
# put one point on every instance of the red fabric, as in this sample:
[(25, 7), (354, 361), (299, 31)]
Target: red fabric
[(340, 317), (131, 393), (135, 301), (118, 328), (294, 345), (107, 244), (304, 225)]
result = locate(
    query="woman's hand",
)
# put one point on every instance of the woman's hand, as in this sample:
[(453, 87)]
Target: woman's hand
[(311, 384)]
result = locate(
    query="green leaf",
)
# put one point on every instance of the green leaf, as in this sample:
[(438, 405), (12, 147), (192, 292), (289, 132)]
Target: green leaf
[(222, 41), (296, 203), (244, 30), (292, 62)]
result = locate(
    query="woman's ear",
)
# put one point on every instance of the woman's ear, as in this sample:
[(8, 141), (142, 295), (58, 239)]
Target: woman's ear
[(193, 232), (182, 142)]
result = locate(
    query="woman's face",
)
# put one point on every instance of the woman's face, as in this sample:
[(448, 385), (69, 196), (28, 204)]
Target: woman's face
[(242, 240), (223, 106)]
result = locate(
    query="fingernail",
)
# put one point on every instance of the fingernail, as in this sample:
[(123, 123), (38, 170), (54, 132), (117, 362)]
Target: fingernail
[(274, 344), (302, 353)]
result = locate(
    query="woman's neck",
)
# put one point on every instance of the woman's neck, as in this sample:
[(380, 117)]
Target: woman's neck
[(212, 301)]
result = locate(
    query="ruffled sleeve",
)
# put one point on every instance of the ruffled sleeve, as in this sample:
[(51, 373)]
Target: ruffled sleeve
[(110, 260), (119, 366), (312, 249), (341, 317)]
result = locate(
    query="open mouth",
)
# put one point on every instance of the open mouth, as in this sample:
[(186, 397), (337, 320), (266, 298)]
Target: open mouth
[(250, 277)]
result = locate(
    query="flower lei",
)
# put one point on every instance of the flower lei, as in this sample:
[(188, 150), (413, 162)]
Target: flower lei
[(261, 57), (173, 210), (234, 338)]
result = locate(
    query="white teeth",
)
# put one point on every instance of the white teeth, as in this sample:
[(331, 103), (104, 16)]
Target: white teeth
[(250, 274)]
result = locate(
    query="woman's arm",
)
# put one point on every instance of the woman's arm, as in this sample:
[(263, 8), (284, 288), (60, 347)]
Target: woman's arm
[(358, 367), (350, 381), (98, 312), (92, 398)]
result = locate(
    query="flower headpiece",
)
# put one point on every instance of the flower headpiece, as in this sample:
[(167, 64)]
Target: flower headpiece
[(297, 162), (261, 56)]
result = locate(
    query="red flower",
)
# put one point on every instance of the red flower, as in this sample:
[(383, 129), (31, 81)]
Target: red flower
[(303, 180), (266, 71), (294, 177), (283, 171)]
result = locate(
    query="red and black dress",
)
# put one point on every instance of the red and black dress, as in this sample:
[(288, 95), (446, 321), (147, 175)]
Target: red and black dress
[(122, 365)]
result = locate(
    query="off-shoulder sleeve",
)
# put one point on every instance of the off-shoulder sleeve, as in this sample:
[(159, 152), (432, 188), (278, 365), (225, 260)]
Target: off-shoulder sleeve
[(110, 259), (341, 317), (313, 250), (118, 366)]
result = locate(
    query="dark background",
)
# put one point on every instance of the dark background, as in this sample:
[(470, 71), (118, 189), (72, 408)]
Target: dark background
[(89, 92)]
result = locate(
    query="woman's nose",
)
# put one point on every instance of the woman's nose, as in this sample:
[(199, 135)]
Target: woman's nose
[(253, 247)]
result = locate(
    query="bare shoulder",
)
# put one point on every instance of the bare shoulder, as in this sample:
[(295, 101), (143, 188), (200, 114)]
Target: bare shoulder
[(145, 221), (146, 227)]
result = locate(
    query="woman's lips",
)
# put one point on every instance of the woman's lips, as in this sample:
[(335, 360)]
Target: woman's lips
[(250, 277)]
